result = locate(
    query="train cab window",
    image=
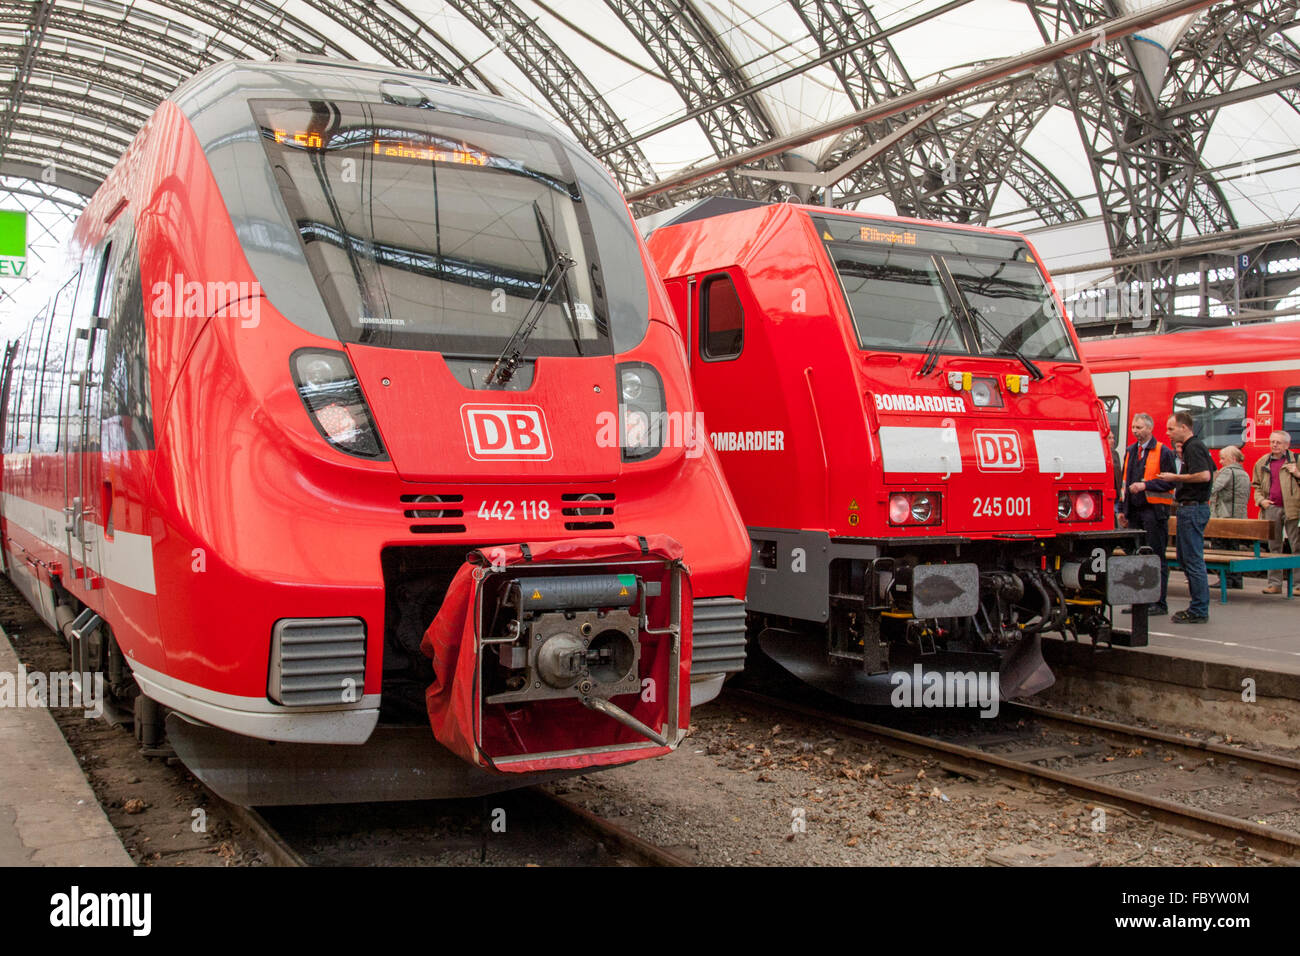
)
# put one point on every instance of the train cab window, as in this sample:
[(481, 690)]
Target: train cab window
[(1111, 404), (104, 284), (1219, 416), (722, 319), (896, 298), (126, 411), (1291, 415), (54, 373), (457, 230), (29, 377), (13, 394)]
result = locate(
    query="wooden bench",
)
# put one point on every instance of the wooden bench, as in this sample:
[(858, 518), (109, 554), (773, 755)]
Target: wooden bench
[(1252, 530)]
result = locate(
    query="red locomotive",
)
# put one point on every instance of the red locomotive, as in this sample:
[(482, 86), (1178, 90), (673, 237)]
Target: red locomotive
[(1239, 383), (326, 330), (912, 439)]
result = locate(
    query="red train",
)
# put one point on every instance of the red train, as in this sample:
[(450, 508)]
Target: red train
[(1238, 383), (310, 449), (911, 436)]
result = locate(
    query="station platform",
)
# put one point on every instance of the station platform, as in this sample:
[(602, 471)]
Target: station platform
[(48, 814), (1254, 634)]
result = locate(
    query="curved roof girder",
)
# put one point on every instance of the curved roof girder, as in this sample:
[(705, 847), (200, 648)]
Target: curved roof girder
[(952, 167), (702, 72), (168, 46), (114, 24), (70, 172), (108, 113), (1229, 41), (591, 119), (869, 74), (109, 141), (392, 30), (996, 141), (1150, 179), (105, 76), (41, 191)]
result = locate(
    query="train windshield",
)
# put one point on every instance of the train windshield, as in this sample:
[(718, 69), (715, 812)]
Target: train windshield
[(432, 230), (910, 288)]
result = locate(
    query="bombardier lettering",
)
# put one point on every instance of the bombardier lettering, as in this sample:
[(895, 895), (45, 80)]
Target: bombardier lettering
[(749, 441), (920, 403)]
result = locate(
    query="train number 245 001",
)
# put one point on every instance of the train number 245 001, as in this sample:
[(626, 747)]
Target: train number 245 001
[(1017, 507)]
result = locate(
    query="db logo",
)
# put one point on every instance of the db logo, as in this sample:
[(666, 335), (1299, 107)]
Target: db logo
[(505, 431), (998, 451)]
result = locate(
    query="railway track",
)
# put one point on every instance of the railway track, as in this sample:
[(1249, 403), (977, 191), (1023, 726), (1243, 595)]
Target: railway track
[(538, 827), (1022, 759), (627, 843), (158, 831), (1254, 760)]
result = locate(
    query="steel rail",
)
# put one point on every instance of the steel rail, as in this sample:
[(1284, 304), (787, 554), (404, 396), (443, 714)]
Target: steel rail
[(1257, 760), (268, 839), (641, 850), (1260, 838)]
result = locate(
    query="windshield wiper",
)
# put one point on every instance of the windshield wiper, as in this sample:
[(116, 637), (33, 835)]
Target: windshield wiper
[(936, 339), (553, 249), (1006, 349), (512, 355)]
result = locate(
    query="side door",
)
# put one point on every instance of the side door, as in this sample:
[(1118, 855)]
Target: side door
[(6, 385), (82, 464), (681, 294), (1112, 389)]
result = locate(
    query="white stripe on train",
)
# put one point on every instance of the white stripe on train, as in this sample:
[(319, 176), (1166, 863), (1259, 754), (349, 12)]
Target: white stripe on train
[(126, 558)]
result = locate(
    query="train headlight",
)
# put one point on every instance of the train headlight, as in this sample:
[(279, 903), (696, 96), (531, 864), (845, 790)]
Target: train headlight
[(916, 507), (1078, 505), (984, 393), (329, 389), (642, 411), (632, 385), (317, 371)]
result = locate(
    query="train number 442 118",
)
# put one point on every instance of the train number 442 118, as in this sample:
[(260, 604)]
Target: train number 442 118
[(505, 510)]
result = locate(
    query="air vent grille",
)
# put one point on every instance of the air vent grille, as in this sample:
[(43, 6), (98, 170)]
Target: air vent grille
[(434, 507), (718, 636), (593, 510), (317, 661)]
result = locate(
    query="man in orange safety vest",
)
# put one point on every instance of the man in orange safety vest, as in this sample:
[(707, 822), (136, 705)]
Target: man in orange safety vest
[(1145, 500)]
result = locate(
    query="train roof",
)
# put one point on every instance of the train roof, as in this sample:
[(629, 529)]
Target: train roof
[(1238, 343), (215, 100), (746, 229)]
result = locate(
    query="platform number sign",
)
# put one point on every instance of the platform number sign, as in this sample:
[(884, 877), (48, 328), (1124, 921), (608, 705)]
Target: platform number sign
[(1263, 413), (13, 243)]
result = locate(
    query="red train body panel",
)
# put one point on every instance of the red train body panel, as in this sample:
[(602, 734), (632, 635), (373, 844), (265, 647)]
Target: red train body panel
[(206, 448), (869, 434), (1239, 384)]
